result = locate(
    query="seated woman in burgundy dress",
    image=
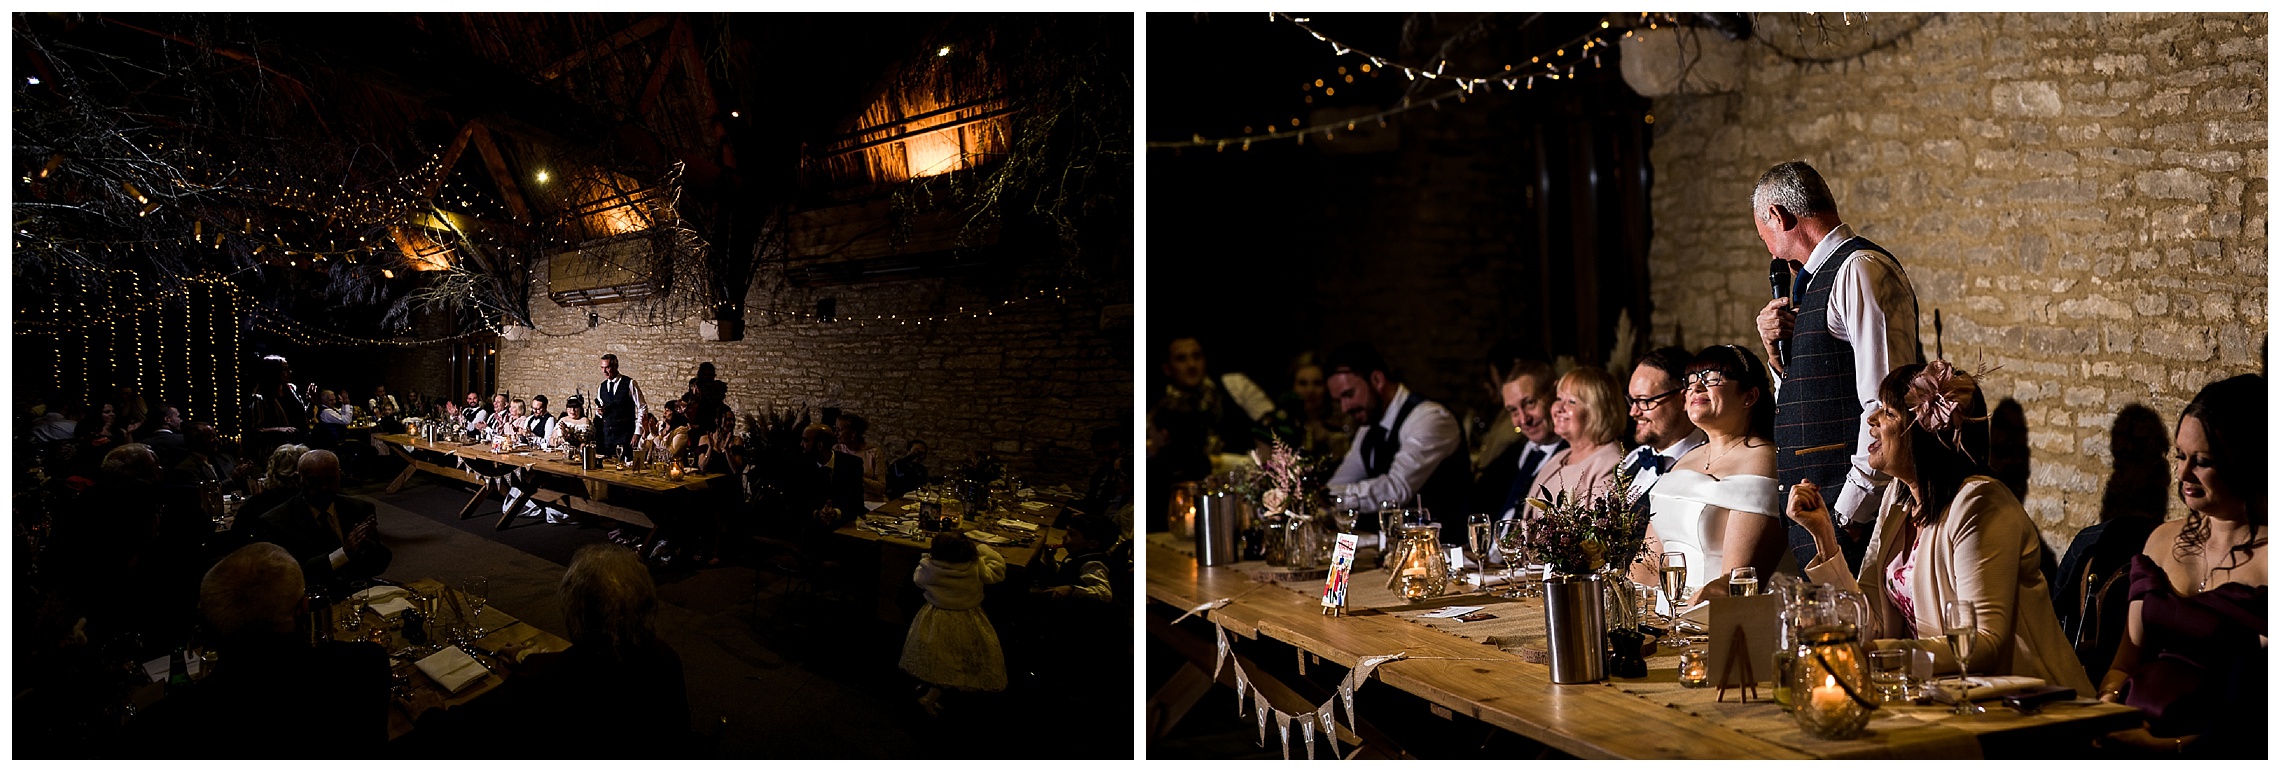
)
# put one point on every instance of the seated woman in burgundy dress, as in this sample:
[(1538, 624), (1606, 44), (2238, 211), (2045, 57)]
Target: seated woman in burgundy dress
[(2195, 657)]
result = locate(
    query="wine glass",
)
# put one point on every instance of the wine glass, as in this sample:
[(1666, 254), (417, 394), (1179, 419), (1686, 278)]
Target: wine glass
[(1742, 582), (478, 594), (352, 618), (1673, 573), (1961, 624), (1477, 528)]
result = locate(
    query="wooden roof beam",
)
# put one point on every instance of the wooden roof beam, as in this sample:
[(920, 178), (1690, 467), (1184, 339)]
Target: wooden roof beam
[(613, 44)]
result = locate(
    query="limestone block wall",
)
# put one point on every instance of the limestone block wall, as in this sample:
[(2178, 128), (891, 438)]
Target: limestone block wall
[(1029, 380), (2079, 198)]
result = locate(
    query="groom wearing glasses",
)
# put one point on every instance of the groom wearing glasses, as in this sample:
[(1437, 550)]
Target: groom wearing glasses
[(1658, 413)]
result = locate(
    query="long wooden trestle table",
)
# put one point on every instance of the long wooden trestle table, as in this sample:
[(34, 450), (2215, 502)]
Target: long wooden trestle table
[(423, 456), (1648, 718)]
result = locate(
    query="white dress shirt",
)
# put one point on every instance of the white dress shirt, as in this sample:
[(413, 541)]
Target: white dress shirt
[(1872, 307), (1428, 437), (1645, 479)]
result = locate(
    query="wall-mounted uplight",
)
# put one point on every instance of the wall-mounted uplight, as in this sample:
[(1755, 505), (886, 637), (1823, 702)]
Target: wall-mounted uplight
[(945, 51)]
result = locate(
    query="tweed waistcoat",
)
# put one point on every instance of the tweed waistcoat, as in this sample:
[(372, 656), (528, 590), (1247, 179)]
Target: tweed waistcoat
[(1817, 407)]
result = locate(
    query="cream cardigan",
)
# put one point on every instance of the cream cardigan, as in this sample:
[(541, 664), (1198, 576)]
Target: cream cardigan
[(1984, 550)]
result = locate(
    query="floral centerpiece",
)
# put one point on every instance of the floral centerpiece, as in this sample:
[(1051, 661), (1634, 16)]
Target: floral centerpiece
[(1590, 532)]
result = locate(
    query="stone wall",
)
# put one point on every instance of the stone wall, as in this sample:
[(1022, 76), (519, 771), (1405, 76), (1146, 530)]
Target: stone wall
[(2080, 198), (1029, 380)]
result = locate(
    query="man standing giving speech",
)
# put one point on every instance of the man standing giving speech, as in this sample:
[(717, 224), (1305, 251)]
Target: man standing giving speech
[(1847, 319), (618, 407)]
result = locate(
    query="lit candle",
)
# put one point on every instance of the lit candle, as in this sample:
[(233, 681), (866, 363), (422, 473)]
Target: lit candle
[(1829, 697)]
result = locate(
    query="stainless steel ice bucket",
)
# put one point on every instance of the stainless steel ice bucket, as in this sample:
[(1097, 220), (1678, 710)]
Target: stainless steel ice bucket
[(1575, 627)]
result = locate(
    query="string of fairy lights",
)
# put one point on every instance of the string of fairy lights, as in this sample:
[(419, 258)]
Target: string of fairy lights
[(144, 342), (1561, 62)]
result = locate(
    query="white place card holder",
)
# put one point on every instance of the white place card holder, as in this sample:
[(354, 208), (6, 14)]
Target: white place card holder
[(1743, 632)]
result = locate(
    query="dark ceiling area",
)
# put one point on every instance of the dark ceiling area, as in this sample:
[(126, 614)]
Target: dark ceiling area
[(334, 155)]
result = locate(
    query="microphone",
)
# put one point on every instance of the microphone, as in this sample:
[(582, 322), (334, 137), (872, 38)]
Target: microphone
[(1777, 274)]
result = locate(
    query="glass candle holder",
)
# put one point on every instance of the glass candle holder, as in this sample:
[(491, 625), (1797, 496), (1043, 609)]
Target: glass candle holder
[(1422, 570), (1829, 684), (1694, 667)]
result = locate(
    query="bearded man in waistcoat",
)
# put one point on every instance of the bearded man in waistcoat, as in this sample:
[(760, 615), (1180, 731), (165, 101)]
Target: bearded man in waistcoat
[(1849, 319), (1407, 447)]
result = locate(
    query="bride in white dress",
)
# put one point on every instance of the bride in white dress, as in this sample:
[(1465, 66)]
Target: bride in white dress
[(1720, 505)]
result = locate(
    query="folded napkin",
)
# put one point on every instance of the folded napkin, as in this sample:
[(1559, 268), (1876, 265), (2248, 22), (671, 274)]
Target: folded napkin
[(1035, 506), (1018, 524), (1027, 493), (388, 609), (988, 538), (453, 669), (1984, 687)]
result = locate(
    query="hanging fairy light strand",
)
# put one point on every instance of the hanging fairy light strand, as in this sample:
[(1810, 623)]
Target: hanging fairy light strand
[(1556, 65)]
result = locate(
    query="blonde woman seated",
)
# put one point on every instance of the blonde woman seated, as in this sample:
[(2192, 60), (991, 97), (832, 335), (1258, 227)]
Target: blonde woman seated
[(1588, 413), (1719, 504), (1945, 531)]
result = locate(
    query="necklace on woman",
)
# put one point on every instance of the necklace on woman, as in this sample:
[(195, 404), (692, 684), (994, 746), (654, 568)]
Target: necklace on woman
[(1722, 454), (2214, 568)]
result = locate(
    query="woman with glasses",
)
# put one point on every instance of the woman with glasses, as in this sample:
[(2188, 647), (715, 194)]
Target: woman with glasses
[(1719, 505)]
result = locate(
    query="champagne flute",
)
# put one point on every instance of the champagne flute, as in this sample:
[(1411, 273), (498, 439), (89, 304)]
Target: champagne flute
[(1742, 582), (1961, 624), (1673, 573), (1508, 544), (478, 595), (1477, 537)]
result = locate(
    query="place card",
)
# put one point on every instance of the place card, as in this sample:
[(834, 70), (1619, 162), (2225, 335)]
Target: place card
[(1743, 632), (1451, 612)]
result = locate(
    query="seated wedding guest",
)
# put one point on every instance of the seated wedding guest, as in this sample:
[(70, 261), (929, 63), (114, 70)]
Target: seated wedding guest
[(1528, 396), (829, 489), (502, 418), (617, 665), (515, 422), (133, 411), (273, 692), (58, 425), (203, 461), (1410, 447), (332, 419), (1193, 419), (573, 420), (1305, 417), (103, 541), (475, 414), (384, 405), (336, 538), (851, 428), (1944, 531), (908, 471), (1588, 415), (279, 482), (1719, 505), (98, 434), (2195, 657), (163, 433), (538, 424), (1662, 427), (1104, 491)]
